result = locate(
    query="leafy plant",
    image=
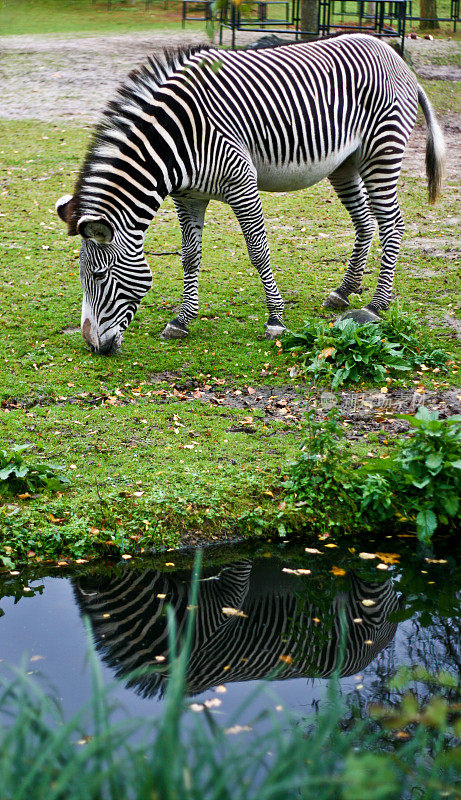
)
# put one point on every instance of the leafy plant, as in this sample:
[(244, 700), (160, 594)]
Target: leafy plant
[(316, 480), (420, 482), (431, 465), (18, 475), (350, 352), (417, 347)]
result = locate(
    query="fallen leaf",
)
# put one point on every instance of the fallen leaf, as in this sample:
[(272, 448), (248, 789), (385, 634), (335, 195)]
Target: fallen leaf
[(338, 571), (367, 556), (368, 603), (312, 550), (214, 702), (389, 558), (233, 612), (327, 352), (286, 659), (238, 729)]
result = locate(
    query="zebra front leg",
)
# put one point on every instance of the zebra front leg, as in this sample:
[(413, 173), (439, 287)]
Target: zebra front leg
[(247, 208), (352, 193), (191, 215)]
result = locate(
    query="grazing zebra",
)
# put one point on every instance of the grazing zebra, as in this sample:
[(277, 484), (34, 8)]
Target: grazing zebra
[(202, 124), (279, 627)]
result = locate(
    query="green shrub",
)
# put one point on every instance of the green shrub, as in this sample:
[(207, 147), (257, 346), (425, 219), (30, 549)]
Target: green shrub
[(422, 479), (419, 484), (17, 475), (352, 353), (317, 476)]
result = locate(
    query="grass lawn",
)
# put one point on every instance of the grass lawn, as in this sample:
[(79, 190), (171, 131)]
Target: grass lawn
[(146, 465), (124, 16), (85, 16)]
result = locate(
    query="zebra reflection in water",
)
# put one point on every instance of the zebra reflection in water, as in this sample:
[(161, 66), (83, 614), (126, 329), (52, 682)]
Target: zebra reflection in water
[(280, 629)]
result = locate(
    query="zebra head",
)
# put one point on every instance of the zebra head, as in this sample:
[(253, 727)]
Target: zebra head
[(114, 275)]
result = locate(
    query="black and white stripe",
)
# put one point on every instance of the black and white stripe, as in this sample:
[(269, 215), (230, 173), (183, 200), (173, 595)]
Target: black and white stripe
[(204, 124), (129, 623)]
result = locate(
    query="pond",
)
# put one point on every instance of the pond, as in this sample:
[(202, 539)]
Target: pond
[(266, 610)]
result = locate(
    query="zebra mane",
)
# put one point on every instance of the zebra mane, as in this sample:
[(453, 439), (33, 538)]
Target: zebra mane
[(136, 91)]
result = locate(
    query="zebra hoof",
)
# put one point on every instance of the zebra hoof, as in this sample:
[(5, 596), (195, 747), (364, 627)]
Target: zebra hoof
[(336, 300), (361, 316), (174, 330), (273, 331), (274, 327)]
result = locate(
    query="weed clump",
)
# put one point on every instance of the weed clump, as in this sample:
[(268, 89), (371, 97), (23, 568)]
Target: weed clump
[(18, 475), (348, 352), (419, 484)]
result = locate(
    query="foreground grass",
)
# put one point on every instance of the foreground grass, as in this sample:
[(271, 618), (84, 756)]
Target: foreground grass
[(148, 466), (332, 753), (392, 752)]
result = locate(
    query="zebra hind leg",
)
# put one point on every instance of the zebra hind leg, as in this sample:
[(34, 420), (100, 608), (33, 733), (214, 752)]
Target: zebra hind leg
[(191, 215), (380, 175), (351, 191), (391, 227)]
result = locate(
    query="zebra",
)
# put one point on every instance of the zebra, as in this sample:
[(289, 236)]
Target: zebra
[(201, 124), (277, 628)]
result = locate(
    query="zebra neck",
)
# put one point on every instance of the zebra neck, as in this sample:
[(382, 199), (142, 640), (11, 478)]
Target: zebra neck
[(134, 163)]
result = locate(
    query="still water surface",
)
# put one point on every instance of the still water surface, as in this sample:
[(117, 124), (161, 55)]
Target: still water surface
[(262, 608)]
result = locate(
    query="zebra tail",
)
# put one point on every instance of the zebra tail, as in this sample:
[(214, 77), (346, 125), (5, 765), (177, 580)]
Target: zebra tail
[(435, 148)]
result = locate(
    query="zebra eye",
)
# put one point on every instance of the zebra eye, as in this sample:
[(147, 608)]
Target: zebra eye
[(99, 273)]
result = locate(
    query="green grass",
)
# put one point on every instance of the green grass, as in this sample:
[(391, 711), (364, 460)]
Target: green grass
[(103, 419), (85, 16)]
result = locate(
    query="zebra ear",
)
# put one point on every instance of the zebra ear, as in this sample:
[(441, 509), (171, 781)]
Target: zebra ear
[(62, 207), (96, 228)]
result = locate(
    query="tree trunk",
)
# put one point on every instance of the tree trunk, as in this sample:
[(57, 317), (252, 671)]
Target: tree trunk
[(429, 19), (309, 18)]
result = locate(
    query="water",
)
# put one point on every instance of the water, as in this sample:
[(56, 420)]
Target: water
[(263, 609)]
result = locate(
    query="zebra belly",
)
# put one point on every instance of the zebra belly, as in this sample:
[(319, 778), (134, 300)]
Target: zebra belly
[(289, 177)]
